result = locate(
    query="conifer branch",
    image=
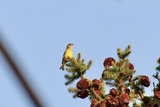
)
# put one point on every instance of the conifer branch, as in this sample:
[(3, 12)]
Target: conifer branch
[(117, 74)]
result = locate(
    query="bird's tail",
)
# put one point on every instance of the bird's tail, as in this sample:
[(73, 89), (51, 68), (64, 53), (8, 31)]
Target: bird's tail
[(62, 67)]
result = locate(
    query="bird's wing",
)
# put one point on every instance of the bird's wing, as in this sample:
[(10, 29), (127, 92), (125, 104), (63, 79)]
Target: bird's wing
[(63, 59)]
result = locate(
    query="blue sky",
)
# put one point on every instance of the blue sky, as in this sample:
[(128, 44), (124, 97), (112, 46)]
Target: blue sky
[(37, 32)]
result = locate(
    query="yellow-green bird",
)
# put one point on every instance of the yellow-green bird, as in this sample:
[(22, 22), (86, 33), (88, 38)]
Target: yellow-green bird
[(67, 55)]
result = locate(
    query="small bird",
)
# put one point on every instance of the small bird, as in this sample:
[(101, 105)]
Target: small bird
[(67, 55)]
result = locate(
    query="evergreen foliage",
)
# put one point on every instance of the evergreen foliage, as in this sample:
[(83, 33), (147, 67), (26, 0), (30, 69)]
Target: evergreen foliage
[(127, 88)]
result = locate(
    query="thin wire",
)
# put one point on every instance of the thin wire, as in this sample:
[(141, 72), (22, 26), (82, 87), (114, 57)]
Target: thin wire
[(18, 74)]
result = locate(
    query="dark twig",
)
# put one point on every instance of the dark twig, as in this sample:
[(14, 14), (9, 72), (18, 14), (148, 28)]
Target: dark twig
[(18, 74)]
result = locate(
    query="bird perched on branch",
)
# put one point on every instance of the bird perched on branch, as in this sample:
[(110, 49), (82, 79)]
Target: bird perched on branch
[(68, 54)]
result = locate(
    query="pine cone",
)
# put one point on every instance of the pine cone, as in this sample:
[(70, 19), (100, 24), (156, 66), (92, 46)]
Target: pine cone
[(146, 100), (155, 105), (131, 66), (124, 98), (157, 93), (93, 102), (96, 83), (103, 103), (82, 94), (82, 84), (113, 102), (108, 61), (145, 81), (114, 92)]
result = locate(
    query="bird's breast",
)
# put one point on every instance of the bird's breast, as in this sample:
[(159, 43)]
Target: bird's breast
[(69, 53)]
